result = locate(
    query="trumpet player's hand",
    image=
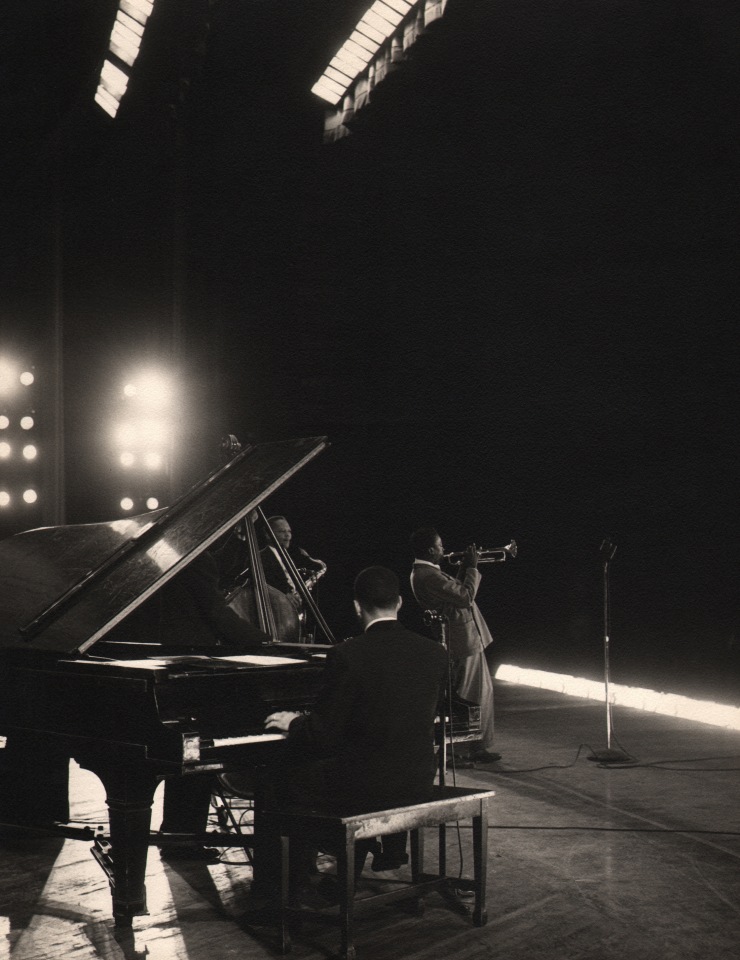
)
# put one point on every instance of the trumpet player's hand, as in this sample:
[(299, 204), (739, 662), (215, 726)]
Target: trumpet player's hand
[(470, 557)]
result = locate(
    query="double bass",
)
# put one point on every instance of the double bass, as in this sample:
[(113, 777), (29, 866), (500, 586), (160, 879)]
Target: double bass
[(249, 593)]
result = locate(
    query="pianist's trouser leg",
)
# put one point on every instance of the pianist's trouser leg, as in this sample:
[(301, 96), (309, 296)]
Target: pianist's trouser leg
[(279, 785), (314, 785), (186, 803), (34, 780)]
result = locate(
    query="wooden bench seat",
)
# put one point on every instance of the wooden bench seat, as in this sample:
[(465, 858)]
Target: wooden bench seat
[(340, 833)]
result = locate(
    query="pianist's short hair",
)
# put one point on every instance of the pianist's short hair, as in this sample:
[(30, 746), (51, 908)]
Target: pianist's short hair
[(422, 539), (377, 588)]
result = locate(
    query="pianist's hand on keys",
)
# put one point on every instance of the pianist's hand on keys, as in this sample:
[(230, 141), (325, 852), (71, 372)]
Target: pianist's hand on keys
[(281, 720)]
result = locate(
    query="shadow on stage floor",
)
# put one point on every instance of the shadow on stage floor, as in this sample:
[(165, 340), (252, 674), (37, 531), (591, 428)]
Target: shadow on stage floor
[(639, 862)]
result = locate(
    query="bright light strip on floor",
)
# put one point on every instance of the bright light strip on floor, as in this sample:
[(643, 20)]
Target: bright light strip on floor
[(667, 704), (124, 44), (377, 24)]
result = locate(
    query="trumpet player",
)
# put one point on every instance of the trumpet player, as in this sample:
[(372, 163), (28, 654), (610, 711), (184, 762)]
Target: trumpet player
[(467, 634)]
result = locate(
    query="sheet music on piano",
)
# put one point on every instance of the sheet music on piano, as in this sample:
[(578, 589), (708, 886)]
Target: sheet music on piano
[(243, 659), (259, 660)]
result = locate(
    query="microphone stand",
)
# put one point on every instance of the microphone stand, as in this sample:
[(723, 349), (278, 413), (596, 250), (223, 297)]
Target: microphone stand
[(434, 618), (610, 755)]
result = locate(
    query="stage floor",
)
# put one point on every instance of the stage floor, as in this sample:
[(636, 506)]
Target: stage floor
[(629, 863)]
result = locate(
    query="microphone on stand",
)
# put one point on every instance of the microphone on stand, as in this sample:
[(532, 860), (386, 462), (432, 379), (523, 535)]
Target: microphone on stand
[(607, 549), (610, 754)]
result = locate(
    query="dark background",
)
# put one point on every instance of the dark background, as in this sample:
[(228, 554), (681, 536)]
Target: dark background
[(508, 298)]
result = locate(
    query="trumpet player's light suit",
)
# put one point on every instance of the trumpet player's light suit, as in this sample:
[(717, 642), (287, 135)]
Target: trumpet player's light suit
[(467, 633)]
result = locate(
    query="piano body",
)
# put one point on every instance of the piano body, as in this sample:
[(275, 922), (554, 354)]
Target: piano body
[(132, 711)]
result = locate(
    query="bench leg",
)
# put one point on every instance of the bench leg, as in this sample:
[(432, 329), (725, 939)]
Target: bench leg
[(480, 863), (416, 844), (285, 942), (443, 849), (346, 871)]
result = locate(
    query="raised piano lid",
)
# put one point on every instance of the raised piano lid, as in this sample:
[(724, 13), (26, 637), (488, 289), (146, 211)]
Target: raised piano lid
[(65, 587)]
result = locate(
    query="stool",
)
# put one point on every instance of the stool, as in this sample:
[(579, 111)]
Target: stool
[(230, 803), (341, 833)]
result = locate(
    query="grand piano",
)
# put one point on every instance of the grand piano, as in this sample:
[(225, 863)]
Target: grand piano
[(82, 676)]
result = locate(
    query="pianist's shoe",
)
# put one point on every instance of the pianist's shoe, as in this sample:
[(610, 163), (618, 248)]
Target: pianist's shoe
[(194, 852), (460, 762), (485, 756), (389, 861)]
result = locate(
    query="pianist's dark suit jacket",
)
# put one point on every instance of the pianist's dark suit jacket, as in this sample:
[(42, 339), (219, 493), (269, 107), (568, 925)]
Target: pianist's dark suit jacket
[(373, 719)]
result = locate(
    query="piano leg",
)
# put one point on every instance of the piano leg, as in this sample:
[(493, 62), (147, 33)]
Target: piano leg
[(129, 794)]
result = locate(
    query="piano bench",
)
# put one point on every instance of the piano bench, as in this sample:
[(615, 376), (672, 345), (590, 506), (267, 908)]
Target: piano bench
[(341, 833)]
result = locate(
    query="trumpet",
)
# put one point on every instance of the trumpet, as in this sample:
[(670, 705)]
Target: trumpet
[(496, 555)]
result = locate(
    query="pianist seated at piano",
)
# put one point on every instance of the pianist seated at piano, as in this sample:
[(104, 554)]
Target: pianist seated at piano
[(368, 742)]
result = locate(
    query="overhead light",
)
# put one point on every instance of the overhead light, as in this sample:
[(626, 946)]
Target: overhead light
[(329, 89), (366, 28), (125, 38), (124, 45), (112, 86), (376, 26), (107, 101), (30, 496)]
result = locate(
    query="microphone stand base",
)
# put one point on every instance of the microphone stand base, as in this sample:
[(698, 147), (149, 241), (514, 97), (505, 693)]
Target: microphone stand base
[(611, 756)]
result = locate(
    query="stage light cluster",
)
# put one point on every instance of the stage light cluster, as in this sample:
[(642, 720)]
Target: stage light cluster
[(142, 439), (19, 448)]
